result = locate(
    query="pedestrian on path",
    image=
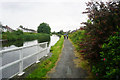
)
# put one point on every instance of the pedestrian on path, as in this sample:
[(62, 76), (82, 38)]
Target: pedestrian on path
[(64, 36), (67, 36)]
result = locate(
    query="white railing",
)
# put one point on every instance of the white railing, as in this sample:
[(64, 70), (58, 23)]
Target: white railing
[(21, 58)]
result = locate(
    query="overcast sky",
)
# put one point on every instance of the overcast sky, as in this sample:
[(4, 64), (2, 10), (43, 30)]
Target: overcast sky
[(59, 14)]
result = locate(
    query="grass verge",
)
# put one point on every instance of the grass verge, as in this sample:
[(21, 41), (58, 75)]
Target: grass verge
[(81, 62), (48, 64)]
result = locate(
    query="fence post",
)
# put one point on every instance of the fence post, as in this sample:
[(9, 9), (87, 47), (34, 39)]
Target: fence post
[(21, 63), (47, 49), (37, 55), (1, 66)]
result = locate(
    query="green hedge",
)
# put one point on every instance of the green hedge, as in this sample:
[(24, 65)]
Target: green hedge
[(18, 35)]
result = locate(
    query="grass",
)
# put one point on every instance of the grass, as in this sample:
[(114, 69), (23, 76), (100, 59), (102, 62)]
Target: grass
[(49, 63), (81, 62)]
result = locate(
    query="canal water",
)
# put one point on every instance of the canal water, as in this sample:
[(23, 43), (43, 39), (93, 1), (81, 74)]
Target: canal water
[(9, 57), (9, 45)]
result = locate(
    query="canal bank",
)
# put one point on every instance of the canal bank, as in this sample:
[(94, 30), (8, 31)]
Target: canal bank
[(49, 63)]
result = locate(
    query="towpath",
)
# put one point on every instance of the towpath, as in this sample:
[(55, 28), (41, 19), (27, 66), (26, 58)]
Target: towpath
[(65, 67)]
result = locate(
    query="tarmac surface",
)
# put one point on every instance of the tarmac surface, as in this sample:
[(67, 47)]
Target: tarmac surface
[(65, 67)]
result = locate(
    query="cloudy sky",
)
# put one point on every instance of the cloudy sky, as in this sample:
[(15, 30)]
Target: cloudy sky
[(59, 14)]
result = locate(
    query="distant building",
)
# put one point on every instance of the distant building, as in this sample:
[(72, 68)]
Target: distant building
[(1, 30), (1, 27), (73, 31), (27, 30), (6, 28)]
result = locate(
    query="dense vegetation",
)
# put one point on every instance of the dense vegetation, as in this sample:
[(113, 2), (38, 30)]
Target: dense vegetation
[(19, 35), (60, 33), (77, 37), (48, 64), (44, 28), (109, 66), (98, 40)]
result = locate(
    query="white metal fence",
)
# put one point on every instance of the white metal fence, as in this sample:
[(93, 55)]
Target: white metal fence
[(14, 61)]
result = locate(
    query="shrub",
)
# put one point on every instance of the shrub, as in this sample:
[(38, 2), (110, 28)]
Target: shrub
[(77, 38), (103, 21), (108, 66), (100, 41), (18, 32)]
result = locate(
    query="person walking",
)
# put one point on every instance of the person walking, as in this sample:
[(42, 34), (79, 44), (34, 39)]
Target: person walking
[(64, 36), (67, 36)]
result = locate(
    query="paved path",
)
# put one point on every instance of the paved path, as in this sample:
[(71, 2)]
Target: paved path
[(65, 67)]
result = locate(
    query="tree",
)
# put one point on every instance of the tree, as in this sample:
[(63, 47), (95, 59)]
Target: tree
[(21, 26), (61, 32), (44, 28), (18, 32)]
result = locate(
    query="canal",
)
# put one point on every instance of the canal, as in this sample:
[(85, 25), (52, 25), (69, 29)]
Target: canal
[(14, 44)]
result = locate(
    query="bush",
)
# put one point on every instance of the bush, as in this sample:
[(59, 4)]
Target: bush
[(103, 21), (108, 66), (77, 38), (18, 32), (101, 39)]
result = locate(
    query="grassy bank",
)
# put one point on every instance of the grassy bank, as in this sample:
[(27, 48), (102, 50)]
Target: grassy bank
[(19, 35), (80, 61), (48, 64)]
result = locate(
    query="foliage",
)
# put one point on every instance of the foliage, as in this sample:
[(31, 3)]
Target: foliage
[(101, 43), (61, 32), (18, 32), (108, 66), (103, 22), (44, 28), (77, 37), (18, 43), (19, 35), (48, 64)]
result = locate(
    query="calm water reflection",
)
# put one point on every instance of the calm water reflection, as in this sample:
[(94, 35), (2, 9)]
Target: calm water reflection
[(13, 44)]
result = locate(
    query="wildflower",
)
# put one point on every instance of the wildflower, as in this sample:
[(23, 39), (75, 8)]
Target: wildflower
[(104, 59), (114, 32)]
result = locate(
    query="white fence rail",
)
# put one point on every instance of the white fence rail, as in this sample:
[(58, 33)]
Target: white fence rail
[(14, 61)]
